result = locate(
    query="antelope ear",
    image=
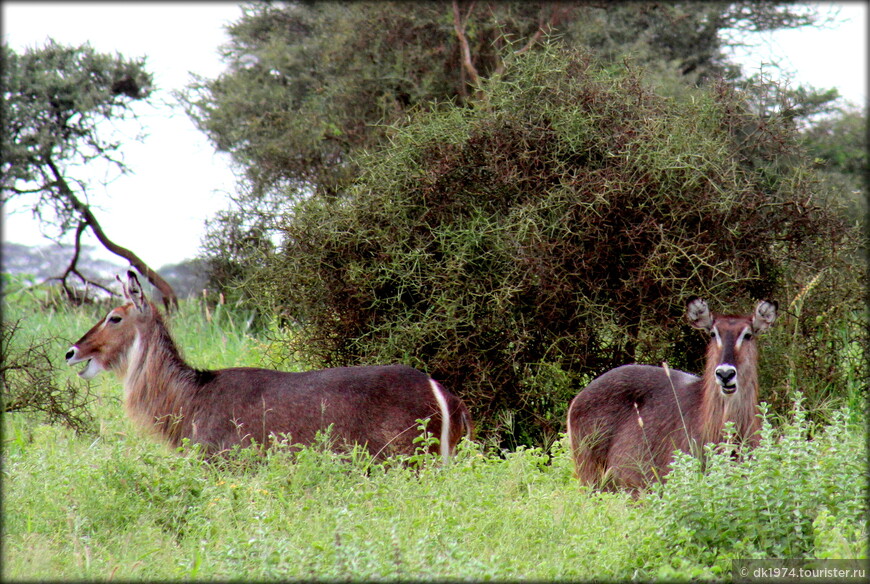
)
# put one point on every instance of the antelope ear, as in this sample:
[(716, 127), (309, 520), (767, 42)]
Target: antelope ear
[(134, 293), (699, 315), (765, 314)]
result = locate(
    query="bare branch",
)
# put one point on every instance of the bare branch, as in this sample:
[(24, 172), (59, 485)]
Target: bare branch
[(28, 382), (545, 26), (72, 269), (23, 191), (170, 300), (467, 64)]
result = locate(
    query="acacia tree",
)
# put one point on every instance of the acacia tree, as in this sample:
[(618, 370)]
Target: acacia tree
[(55, 99), (310, 84), (511, 233)]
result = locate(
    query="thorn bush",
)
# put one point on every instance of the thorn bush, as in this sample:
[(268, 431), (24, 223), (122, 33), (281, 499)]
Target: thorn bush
[(28, 379), (516, 248)]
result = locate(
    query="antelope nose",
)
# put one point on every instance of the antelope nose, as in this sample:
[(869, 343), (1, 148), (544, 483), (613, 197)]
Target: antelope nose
[(726, 375)]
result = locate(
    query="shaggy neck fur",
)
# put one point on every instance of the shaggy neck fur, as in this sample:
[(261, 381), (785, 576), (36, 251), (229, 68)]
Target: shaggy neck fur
[(158, 384), (740, 408)]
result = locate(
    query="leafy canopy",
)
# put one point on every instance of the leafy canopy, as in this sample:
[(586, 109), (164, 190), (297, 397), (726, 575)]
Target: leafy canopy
[(309, 85), (58, 99), (55, 98)]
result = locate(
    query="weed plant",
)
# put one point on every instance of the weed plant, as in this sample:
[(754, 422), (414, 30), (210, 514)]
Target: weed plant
[(28, 382), (127, 509), (800, 494)]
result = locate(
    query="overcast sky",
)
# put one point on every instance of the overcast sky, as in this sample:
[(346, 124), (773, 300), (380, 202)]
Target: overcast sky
[(178, 180)]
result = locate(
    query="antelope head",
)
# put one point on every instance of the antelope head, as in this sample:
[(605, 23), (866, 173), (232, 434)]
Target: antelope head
[(111, 343), (731, 354)]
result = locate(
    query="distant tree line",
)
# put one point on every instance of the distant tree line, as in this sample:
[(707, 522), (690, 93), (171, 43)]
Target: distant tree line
[(42, 264)]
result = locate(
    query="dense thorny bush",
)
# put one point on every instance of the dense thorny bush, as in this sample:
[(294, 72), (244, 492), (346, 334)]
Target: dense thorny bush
[(516, 248), (802, 489)]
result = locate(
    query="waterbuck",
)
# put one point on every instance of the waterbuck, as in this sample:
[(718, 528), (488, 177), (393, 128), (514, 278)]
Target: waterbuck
[(624, 426), (377, 407)]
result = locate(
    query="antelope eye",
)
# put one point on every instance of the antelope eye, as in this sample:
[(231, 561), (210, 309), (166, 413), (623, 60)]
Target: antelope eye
[(747, 336), (712, 334), (115, 319)]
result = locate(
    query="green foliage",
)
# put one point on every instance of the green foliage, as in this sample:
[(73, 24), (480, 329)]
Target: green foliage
[(310, 85), (818, 348), (318, 80), (31, 356), (27, 379), (800, 494), (54, 98), (57, 101), (135, 512), (841, 141), (838, 144), (515, 249)]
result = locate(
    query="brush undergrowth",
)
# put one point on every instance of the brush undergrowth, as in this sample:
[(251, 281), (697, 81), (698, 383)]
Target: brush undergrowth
[(119, 505), (800, 494)]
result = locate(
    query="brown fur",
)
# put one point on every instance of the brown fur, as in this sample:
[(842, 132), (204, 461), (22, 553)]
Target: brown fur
[(377, 407), (626, 424)]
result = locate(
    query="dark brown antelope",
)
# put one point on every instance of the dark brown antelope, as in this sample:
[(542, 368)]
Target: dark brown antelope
[(377, 407), (624, 426)]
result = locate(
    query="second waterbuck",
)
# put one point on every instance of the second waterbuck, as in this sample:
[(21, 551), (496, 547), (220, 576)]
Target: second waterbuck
[(624, 426), (377, 407)]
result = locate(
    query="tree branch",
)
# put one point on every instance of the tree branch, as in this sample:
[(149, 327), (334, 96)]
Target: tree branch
[(72, 268), (467, 64), (170, 300), (545, 25)]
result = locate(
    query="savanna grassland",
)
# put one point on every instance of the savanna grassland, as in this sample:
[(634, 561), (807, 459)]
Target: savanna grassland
[(112, 503)]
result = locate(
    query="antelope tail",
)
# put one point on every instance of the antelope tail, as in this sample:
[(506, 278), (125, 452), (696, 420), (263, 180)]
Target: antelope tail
[(444, 444)]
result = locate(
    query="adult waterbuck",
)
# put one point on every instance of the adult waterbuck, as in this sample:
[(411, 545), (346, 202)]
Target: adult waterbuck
[(624, 426), (373, 406)]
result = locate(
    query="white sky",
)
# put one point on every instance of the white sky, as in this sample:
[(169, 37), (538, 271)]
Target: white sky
[(178, 181), (831, 55)]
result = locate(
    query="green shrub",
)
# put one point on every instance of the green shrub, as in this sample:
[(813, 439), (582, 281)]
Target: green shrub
[(818, 349), (800, 494), (517, 248), (28, 379)]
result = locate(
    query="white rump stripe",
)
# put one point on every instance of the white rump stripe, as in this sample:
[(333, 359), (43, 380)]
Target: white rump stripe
[(445, 420)]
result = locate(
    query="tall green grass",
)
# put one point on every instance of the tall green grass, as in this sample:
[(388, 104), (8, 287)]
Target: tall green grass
[(119, 505)]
